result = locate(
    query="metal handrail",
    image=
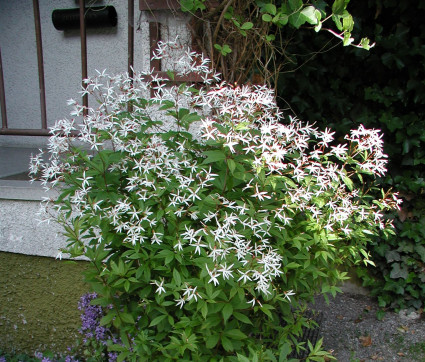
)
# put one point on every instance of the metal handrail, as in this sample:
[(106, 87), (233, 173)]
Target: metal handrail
[(154, 35), (44, 131)]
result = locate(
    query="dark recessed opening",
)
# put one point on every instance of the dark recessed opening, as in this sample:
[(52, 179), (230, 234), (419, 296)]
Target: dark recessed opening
[(96, 17)]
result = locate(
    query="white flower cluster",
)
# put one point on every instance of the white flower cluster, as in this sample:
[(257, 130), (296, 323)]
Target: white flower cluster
[(167, 191)]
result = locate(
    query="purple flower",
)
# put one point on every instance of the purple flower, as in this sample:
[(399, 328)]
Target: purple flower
[(90, 326), (112, 356), (90, 318), (70, 359), (100, 333)]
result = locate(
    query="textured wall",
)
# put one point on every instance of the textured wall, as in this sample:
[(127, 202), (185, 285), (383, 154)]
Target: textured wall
[(38, 302), (106, 49), (20, 231)]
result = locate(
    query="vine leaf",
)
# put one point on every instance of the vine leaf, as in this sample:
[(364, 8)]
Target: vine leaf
[(398, 272)]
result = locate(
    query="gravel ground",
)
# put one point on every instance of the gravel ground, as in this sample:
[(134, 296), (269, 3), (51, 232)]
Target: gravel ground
[(351, 330)]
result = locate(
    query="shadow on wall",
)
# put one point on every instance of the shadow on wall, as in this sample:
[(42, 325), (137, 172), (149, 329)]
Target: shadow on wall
[(38, 299)]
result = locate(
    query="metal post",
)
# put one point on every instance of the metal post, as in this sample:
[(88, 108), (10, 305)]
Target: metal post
[(42, 88), (130, 43), (83, 39), (130, 36), (2, 97), (154, 38)]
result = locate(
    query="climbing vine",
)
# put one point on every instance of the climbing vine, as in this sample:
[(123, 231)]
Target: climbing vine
[(245, 39)]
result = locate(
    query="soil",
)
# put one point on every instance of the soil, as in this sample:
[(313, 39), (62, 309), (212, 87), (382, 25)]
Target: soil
[(352, 331)]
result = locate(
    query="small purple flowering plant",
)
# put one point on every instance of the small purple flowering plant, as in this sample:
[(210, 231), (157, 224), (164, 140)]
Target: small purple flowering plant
[(90, 347), (95, 337), (90, 318), (209, 218)]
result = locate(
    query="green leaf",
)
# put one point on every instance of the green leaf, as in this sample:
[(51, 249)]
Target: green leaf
[(116, 347), (166, 104), (204, 310), (246, 26), (347, 39), (270, 37), (365, 43), (347, 23), (292, 265), (397, 272), (192, 5), (212, 341), (339, 6), (227, 311), (186, 5), (420, 249), (285, 350), (267, 18), (232, 165), (295, 5), (170, 74), (127, 317), (225, 49), (406, 146), (266, 310), (318, 27), (191, 117), (235, 334), (127, 285), (227, 344), (349, 183), (392, 255), (242, 358), (229, 13), (269, 8), (242, 318), (177, 278), (214, 156), (297, 19), (107, 318), (104, 302), (281, 20), (122, 356), (310, 15), (158, 320)]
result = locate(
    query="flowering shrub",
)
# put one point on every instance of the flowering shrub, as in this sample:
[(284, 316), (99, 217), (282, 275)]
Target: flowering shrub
[(207, 244)]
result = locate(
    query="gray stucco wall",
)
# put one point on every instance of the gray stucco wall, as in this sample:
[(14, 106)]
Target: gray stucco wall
[(106, 49), (21, 232)]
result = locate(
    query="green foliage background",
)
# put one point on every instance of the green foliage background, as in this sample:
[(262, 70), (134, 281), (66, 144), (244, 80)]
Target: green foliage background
[(383, 88)]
